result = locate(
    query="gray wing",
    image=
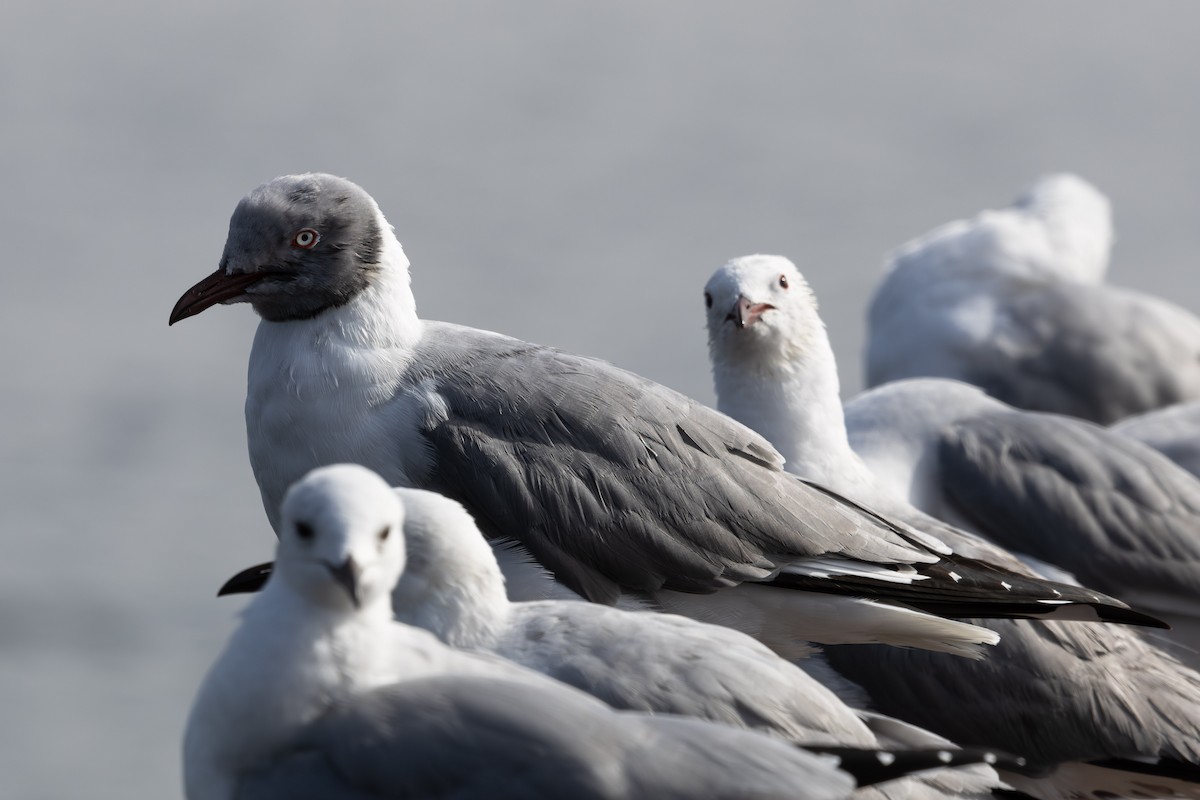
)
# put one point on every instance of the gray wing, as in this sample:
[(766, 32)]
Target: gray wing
[(1053, 692), (663, 663), (1107, 509), (1172, 431), (479, 738), (1094, 352), (613, 481)]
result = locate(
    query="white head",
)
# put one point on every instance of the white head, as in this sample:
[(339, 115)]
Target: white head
[(762, 315), (452, 585), (341, 545), (1078, 219)]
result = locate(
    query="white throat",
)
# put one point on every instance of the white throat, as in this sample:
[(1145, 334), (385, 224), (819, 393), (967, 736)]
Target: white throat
[(791, 397), (328, 375)]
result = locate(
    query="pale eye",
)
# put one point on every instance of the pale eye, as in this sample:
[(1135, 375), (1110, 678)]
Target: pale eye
[(707, 300), (783, 281), (306, 238)]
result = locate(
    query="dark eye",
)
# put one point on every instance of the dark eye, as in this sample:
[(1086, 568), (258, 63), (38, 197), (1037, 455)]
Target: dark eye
[(707, 300), (306, 238), (783, 281), (304, 531), (385, 532)]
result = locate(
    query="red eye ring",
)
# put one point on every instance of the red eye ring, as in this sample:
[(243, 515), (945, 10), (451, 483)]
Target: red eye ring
[(306, 239)]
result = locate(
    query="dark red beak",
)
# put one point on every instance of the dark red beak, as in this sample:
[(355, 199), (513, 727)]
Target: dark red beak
[(216, 288), (745, 313)]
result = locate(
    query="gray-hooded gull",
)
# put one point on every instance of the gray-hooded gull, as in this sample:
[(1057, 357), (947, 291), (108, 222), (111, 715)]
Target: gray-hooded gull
[(1013, 301), (320, 693), (613, 483), (1061, 693)]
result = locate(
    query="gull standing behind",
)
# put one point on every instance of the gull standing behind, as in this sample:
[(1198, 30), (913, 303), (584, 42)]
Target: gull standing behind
[(320, 693), (1094, 502), (613, 483), (1094, 693), (1173, 431), (1013, 301)]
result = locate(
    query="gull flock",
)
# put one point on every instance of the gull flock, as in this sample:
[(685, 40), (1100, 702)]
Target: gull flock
[(508, 571)]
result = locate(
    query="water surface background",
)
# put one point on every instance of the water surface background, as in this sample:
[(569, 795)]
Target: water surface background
[(567, 173)]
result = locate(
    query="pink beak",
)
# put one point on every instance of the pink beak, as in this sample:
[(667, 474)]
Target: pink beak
[(745, 313)]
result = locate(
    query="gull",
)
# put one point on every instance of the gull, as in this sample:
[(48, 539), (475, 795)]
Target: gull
[(1174, 431), (1013, 301), (1095, 694), (1124, 518), (614, 484), (476, 738), (452, 586), (320, 692)]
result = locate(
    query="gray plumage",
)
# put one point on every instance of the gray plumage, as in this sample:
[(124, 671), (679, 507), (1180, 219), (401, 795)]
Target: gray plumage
[(613, 482), (657, 663), (1055, 692), (683, 497), (1113, 512), (1013, 301), (477, 738), (1173, 431)]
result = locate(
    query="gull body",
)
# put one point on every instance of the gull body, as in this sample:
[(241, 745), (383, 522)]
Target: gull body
[(321, 693), (658, 663), (1013, 301), (1097, 503), (1174, 431)]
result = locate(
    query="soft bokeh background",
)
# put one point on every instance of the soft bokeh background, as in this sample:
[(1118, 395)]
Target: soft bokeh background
[(562, 172)]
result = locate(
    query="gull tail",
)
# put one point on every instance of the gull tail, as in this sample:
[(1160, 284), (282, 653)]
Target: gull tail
[(247, 581), (870, 767)]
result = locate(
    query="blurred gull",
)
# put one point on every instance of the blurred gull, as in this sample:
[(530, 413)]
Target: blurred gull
[(1095, 693), (1013, 301), (613, 483), (1173, 431), (320, 693), (1108, 509)]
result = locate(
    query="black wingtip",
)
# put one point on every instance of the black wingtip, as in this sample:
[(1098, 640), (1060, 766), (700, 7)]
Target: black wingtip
[(1129, 616), (1163, 768), (247, 581), (876, 766)]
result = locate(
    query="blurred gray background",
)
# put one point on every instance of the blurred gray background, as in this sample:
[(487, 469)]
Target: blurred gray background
[(561, 172)]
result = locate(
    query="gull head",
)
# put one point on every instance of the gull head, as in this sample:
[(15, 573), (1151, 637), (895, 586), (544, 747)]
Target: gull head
[(1078, 220), (760, 311), (449, 564), (297, 245), (341, 545)]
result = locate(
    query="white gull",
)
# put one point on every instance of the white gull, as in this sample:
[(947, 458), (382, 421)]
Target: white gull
[(320, 693), (1013, 301), (1112, 694)]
